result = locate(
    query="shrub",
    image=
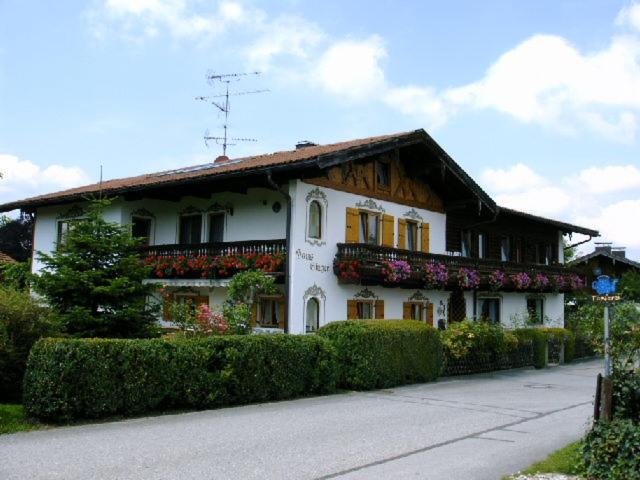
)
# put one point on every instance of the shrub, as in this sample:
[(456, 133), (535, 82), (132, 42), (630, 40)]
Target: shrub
[(22, 322), (538, 340), (92, 378), (612, 451), (626, 394), (384, 353)]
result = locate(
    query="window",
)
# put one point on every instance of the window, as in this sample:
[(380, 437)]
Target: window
[(544, 254), (365, 309), (416, 311), (369, 228), (535, 310), (216, 227), (518, 250), (313, 315), (466, 243), (412, 236), (271, 312), (489, 310), (315, 220), (383, 175), (63, 228), (190, 229), (482, 245), (505, 249), (141, 228)]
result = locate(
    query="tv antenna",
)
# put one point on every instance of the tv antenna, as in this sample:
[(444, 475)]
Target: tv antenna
[(224, 106)]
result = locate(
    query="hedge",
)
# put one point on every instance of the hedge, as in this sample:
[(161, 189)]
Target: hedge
[(612, 451), (384, 353), (539, 343), (91, 378)]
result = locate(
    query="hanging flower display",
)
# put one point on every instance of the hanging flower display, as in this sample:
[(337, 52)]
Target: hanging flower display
[(349, 270), (557, 282), (574, 282), (540, 282), (498, 280), (468, 279), (435, 275), (396, 271), (521, 281)]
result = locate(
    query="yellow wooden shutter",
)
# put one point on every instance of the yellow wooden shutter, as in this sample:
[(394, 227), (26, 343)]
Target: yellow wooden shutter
[(430, 314), (425, 238), (282, 314), (352, 309), (379, 309), (166, 307), (406, 310), (202, 300), (387, 230), (352, 234), (402, 233), (254, 314)]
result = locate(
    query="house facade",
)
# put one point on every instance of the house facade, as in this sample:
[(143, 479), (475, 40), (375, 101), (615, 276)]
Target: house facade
[(383, 227)]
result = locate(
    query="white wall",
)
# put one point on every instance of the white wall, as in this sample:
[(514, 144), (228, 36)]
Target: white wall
[(513, 307), (311, 265)]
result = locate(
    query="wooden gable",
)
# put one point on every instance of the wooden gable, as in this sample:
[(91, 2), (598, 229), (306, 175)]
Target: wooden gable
[(360, 177)]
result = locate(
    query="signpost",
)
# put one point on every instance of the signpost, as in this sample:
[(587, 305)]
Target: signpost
[(605, 288)]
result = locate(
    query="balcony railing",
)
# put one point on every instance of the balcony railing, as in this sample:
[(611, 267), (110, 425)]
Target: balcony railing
[(215, 259), (372, 258)]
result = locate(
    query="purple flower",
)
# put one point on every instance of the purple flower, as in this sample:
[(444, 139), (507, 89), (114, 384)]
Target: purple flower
[(468, 279), (498, 279), (396, 271), (540, 281), (436, 275), (521, 280)]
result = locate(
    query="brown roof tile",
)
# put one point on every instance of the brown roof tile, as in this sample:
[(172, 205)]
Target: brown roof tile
[(4, 258)]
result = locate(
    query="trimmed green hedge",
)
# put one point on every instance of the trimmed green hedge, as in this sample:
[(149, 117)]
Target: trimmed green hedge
[(384, 353), (539, 341), (612, 451), (91, 378)]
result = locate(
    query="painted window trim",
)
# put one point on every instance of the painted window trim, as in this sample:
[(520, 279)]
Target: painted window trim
[(316, 195)]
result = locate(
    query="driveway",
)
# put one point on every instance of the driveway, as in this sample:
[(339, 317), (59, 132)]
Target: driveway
[(476, 427)]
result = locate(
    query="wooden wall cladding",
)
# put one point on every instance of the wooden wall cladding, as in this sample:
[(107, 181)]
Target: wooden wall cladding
[(359, 177)]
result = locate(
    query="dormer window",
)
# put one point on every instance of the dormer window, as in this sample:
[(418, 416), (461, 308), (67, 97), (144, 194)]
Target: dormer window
[(383, 175)]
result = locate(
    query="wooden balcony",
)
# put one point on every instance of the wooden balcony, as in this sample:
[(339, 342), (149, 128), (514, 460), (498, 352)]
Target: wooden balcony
[(372, 258), (215, 259)]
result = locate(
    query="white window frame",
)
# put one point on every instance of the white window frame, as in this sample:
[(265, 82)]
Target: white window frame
[(489, 297), (322, 201)]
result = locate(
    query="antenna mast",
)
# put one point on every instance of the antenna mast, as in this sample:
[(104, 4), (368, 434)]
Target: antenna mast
[(224, 106)]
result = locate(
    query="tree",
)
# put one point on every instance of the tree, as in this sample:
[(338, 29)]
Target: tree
[(629, 286), (244, 289), (94, 280), (16, 236)]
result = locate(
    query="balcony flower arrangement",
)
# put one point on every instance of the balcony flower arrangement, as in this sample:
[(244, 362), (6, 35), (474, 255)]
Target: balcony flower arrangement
[(498, 280), (557, 283), (540, 282), (574, 282), (521, 281), (348, 271), (468, 279), (435, 275), (396, 271)]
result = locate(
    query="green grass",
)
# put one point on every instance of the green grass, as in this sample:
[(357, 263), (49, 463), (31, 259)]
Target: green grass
[(13, 419), (567, 460)]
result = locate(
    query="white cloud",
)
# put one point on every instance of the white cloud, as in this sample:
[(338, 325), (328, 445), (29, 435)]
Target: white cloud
[(23, 178), (516, 178), (615, 223), (352, 68), (420, 102), (630, 16), (615, 178)]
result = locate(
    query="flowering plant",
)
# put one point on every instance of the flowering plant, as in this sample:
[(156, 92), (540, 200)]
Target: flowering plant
[(575, 282), (540, 281), (468, 279), (396, 271), (435, 275), (557, 282), (209, 322), (349, 270), (498, 279), (521, 280)]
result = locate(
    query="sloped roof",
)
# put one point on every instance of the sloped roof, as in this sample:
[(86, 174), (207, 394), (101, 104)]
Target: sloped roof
[(563, 226), (603, 253), (4, 258)]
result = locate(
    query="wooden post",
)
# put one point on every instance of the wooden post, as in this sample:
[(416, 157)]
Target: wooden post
[(597, 399), (607, 399)]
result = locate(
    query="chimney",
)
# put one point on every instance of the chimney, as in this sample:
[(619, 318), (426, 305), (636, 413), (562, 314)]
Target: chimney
[(619, 252), (604, 247), (222, 159), (304, 144)]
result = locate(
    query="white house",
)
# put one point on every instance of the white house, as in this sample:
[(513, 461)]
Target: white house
[(328, 221)]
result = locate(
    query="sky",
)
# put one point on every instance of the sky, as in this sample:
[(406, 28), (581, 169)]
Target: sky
[(539, 101)]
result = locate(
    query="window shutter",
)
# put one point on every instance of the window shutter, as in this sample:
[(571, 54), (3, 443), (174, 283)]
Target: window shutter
[(282, 314), (402, 233), (406, 311), (202, 300), (430, 314), (166, 308), (387, 230), (352, 309), (352, 234), (379, 314), (254, 314), (425, 238)]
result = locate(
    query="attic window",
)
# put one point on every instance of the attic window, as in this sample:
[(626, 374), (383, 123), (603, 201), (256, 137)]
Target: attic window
[(383, 175)]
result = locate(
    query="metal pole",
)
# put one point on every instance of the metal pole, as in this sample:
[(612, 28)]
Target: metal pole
[(607, 343)]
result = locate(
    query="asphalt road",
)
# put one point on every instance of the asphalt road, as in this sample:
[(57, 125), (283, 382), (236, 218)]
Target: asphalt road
[(478, 427)]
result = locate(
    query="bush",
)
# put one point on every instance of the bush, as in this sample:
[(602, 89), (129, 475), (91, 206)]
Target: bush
[(626, 394), (22, 322), (538, 340), (612, 451), (384, 353), (91, 378)]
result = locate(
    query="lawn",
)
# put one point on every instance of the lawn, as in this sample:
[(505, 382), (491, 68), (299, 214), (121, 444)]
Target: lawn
[(13, 419), (566, 461)]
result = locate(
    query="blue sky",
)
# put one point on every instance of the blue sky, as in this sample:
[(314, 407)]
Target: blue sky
[(539, 101)]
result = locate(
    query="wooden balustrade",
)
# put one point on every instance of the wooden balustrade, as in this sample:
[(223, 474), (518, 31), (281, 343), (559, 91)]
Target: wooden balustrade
[(217, 248)]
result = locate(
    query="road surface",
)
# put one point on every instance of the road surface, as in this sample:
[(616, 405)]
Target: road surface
[(476, 427)]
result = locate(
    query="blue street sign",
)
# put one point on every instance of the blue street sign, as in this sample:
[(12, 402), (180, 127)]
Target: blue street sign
[(604, 285)]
